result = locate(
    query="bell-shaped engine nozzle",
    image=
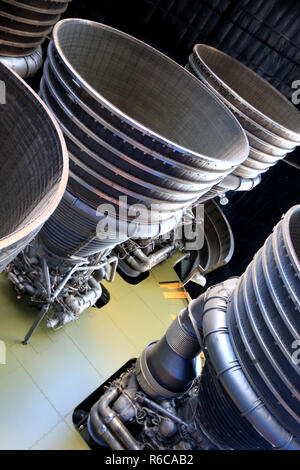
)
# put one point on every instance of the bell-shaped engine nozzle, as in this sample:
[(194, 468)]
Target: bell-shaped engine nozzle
[(145, 139), (137, 126), (34, 164), (271, 121)]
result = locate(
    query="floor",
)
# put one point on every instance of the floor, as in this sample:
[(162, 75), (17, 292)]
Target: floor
[(42, 383)]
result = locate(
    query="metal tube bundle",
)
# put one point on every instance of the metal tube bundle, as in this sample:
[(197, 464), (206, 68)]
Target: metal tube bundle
[(217, 249), (34, 165), (271, 122), (137, 125), (24, 25)]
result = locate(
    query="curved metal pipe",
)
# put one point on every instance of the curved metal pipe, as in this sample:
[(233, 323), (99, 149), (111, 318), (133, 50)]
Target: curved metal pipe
[(114, 423), (232, 182), (97, 429)]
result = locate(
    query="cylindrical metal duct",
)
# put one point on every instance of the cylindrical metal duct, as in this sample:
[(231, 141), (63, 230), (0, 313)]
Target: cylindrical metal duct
[(271, 122), (34, 164), (137, 125), (24, 25)]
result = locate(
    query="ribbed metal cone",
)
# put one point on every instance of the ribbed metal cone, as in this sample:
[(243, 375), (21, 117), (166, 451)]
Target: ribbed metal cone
[(220, 418), (136, 123), (23, 15), (34, 164), (58, 82), (25, 24), (258, 144), (13, 40), (264, 319), (271, 122)]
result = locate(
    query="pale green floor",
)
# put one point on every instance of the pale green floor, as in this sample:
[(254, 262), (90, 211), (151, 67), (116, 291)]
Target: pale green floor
[(42, 382)]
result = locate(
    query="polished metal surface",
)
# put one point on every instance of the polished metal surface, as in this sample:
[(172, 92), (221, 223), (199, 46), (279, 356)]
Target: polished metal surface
[(271, 122), (136, 123), (34, 165)]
